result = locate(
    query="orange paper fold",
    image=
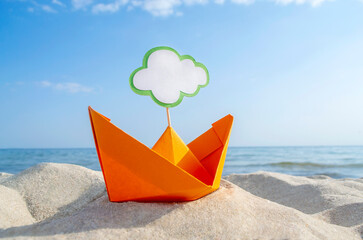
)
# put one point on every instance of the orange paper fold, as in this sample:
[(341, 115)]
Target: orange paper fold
[(170, 171)]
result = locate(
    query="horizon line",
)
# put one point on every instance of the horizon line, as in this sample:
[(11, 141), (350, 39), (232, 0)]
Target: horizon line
[(257, 146)]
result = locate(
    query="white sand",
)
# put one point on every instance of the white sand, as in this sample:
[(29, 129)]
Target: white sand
[(13, 209), (309, 195), (337, 201), (4, 176), (69, 202), (51, 188)]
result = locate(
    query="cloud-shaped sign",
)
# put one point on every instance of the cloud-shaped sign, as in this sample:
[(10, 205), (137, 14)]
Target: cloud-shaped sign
[(167, 76)]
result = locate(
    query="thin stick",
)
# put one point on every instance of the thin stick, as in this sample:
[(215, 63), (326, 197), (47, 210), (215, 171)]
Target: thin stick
[(168, 114)]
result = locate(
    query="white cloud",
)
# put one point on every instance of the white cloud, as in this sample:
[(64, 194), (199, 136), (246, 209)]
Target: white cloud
[(137, 3), (168, 7), (110, 7), (47, 8), (43, 7), (167, 76), (57, 2), (45, 84), (313, 3), (193, 2), (219, 1), (246, 2), (81, 4), (155, 7), (70, 87), (160, 7)]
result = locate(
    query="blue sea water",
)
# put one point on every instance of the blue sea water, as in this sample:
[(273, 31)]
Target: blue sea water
[(336, 162)]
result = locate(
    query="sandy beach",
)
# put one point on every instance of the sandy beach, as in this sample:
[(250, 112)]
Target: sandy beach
[(64, 201)]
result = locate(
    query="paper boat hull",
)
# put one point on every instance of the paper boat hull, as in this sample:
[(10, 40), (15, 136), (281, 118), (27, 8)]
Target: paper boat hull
[(134, 172)]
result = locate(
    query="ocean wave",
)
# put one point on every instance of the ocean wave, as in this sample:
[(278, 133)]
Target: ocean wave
[(318, 165), (300, 164)]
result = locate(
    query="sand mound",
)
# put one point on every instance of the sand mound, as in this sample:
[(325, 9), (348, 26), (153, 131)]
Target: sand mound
[(4, 176), (337, 201), (359, 229), (309, 195), (13, 210), (347, 215), (51, 188), (229, 213)]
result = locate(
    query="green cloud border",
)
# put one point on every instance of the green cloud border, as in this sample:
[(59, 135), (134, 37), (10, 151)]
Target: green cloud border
[(149, 92)]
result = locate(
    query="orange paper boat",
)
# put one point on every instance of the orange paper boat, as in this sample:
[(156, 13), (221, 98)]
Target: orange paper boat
[(170, 171)]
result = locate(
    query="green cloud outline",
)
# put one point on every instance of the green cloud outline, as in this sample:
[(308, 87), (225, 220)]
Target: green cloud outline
[(149, 92)]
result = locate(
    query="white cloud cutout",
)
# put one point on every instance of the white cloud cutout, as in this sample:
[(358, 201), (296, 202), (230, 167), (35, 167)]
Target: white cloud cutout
[(167, 76), (110, 7), (70, 87)]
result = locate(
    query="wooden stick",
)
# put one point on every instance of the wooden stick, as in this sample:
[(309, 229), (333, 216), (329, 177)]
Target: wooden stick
[(168, 114)]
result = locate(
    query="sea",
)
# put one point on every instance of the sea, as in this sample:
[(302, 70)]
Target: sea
[(333, 161)]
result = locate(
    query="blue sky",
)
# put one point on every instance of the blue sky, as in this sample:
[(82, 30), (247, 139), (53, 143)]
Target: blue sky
[(289, 71)]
